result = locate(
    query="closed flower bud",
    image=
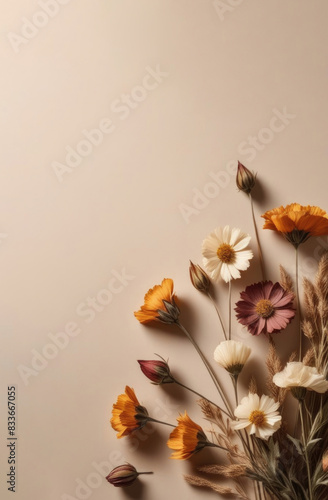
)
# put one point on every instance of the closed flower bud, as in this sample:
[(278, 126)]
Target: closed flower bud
[(157, 371), (245, 179), (124, 475), (199, 278)]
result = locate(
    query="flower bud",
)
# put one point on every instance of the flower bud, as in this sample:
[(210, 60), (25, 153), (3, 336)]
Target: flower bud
[(124, 475), (157, 371), (245, 179), (199, 278)]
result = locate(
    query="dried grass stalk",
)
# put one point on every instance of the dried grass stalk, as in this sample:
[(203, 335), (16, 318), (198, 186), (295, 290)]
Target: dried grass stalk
[(311, 303), (214, 415), (309, 358), (211, 412), (292, 357), (274, 366), (233, 470), (285, 280), (321, 281), (308, 330), (198, 481), (253, 386)]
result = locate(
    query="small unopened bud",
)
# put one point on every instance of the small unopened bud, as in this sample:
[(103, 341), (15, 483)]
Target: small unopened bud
[(245, 179), (124, 475), (199, 278), (157, 371), (325, 461)]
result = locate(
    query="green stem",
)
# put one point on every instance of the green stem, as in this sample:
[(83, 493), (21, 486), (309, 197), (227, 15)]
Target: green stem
[(234, 379), (299, 310), (213, 445), (230, 286), (257, 238), (305, 451), (209, 369), (145, 473), (201, 396), (219, 315), (150, 419)]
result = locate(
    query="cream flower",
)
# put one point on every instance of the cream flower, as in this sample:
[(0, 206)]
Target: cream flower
[(232, 355), (225, 253), (295, 374), (258, 415)]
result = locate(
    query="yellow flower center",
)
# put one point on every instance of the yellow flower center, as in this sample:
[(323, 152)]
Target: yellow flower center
[(257, 417), (264, 308), (226, 253)]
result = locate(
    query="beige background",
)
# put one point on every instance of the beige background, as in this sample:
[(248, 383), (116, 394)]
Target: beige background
[(133, 203)]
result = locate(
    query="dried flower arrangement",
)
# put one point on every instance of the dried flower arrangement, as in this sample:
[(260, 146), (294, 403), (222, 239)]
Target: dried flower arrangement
[(251, 432)]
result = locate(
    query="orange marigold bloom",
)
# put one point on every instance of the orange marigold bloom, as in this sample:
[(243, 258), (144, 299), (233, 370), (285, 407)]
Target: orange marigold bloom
[(159, 304), (128, 415), (297, 222), (187, 438)]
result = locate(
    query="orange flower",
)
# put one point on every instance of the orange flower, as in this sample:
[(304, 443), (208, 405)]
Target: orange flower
[(128, 414), (187, 438), (296, 222), (159, 304)]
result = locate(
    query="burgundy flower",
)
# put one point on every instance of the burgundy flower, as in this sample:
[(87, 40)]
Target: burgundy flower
[(157, 371), (265, 308)]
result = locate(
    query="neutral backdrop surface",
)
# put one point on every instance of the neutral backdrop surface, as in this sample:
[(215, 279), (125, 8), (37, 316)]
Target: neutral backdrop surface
[(121, 125)]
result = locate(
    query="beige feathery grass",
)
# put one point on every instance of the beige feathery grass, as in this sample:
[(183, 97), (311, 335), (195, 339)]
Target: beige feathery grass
[(285, 280), (231, 471), (309, 358), (252, 388), (274, 366), (222, 490)]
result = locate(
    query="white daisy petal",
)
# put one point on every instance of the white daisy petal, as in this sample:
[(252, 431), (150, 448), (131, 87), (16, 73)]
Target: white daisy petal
[(234, 272), (226, 234), (225, 248), (241, 243), (225, 273), (242, 259), (258, 416), (218, 234), (235, 236)]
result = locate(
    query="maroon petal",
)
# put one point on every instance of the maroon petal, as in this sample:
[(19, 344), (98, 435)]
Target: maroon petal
[(276, 294), (267, 288), (285, 300), (285, 313)]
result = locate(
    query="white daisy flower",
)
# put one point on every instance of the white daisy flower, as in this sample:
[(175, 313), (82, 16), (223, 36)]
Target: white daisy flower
[(225, 253), (258, 415), (232, 355), (295, 374)]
